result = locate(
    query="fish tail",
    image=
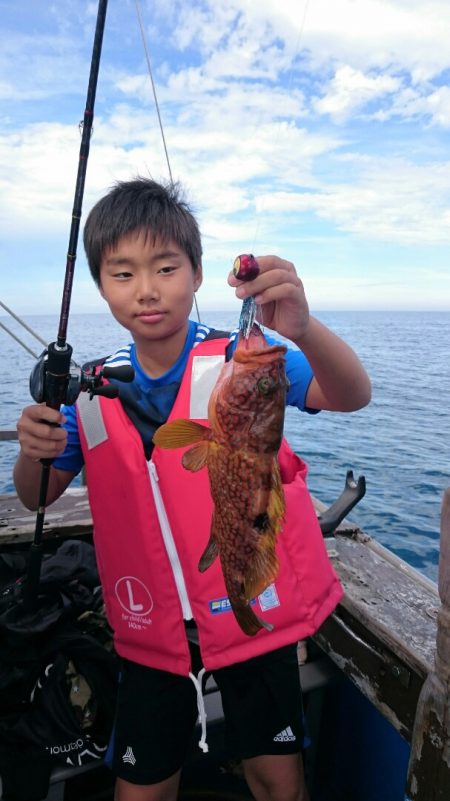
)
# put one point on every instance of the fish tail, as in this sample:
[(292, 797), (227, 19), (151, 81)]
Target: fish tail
[(248, 621)]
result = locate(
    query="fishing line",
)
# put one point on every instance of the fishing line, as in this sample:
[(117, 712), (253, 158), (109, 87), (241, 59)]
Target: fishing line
[(246, 313), (149, 67), (288, 89), (161, 126), (155, 98)]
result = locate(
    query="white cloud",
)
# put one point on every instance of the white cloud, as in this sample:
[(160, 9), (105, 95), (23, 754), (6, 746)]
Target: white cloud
[(388, 200), (351, 90), (412, 292), (435, 107)]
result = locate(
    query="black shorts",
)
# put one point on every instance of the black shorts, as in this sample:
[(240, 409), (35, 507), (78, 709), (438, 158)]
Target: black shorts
[(157, 712)]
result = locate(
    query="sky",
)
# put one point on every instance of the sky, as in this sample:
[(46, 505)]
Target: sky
[(317, 130)]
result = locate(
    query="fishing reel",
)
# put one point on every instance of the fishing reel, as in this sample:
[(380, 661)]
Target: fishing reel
[(56, 379)]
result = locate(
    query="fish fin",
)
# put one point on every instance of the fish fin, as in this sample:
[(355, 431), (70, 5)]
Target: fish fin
[(247, 620), (196, 457), (209, 554), (179, 433)]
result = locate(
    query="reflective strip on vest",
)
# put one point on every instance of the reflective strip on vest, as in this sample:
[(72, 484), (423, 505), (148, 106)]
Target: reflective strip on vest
[(92, 419), (169, 542), (205, 372)]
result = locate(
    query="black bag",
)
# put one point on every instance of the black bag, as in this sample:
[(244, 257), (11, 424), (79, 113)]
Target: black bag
[(58, 674), (71, 708), (69, 587)]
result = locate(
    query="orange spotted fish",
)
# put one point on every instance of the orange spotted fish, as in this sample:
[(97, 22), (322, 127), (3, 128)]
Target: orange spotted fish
[(246, 416)]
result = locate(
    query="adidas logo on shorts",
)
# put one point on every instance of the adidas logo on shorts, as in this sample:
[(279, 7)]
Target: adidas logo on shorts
[(129, 756), (285, 736)]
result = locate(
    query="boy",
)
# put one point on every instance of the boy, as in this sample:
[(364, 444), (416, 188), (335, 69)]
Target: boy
[(152, 517)]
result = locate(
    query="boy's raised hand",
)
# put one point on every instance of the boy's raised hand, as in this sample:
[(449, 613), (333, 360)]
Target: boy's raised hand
[(279, 293)]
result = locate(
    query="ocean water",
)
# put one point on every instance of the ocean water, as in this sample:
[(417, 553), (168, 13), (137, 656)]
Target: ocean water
[(400, 442)]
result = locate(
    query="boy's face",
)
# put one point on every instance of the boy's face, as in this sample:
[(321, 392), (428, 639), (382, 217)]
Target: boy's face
[(149, 287)]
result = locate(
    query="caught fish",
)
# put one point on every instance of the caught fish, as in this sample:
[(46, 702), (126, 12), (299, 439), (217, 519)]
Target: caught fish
[(246, 416)]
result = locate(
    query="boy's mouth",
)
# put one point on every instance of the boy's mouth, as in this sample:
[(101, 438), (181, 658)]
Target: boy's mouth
[(151, 316)]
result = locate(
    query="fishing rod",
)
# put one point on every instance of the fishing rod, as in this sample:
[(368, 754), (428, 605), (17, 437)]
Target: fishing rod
[(56, 379)]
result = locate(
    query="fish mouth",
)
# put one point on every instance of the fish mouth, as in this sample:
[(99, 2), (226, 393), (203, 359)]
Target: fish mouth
[(255, 346), (245, 355)]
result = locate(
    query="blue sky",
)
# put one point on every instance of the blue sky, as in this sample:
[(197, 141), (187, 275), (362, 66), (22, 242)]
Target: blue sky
[(315, 130)]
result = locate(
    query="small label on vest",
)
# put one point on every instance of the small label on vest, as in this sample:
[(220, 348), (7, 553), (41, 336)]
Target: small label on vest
[(269, 598)]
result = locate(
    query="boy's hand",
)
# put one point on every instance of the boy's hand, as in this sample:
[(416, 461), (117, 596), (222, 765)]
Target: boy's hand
[(279, 293), (40, 432)]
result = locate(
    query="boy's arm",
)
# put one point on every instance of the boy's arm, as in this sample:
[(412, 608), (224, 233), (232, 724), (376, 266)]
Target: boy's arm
[(340, 381), (40, 437)]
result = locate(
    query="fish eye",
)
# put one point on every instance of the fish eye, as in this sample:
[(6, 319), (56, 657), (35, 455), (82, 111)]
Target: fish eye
[(266, 385)]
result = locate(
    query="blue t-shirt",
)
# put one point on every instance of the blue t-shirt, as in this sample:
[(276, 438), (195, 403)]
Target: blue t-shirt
[(151, 399)]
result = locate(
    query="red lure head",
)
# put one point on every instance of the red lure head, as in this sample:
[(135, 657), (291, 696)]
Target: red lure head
[(245, 267)]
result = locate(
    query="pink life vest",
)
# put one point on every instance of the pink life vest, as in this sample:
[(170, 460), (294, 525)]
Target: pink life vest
[(151, 525)]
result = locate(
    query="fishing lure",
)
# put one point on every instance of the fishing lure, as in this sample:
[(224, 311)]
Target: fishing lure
[(246, 268)]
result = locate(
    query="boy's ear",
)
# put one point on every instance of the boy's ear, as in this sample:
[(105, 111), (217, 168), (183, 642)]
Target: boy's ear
[(198, 277)]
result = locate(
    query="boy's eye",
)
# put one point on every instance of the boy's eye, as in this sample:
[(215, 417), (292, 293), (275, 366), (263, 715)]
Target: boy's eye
[(122, 274), (167, 270)]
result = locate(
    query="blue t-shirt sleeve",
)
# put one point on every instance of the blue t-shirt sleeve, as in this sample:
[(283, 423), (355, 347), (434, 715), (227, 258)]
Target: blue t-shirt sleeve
[(299, 373), (72, 457)]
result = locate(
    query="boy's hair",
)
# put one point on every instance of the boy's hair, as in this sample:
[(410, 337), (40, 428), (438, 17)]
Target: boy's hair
[(141, 205)]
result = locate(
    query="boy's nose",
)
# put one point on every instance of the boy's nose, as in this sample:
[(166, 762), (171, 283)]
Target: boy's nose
[(147, 289)]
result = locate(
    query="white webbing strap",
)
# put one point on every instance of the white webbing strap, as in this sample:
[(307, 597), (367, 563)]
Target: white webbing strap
[(205, 372), (197, 681), (91, 417)]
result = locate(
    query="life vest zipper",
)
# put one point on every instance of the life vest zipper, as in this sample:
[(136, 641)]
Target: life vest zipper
[(169, 542)]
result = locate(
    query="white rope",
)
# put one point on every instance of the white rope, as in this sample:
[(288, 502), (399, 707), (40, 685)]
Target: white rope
[(196, 308), (197, 681)]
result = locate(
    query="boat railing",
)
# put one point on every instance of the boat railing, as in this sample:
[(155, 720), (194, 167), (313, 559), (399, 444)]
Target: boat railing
[(429, 766), (8, 435)]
